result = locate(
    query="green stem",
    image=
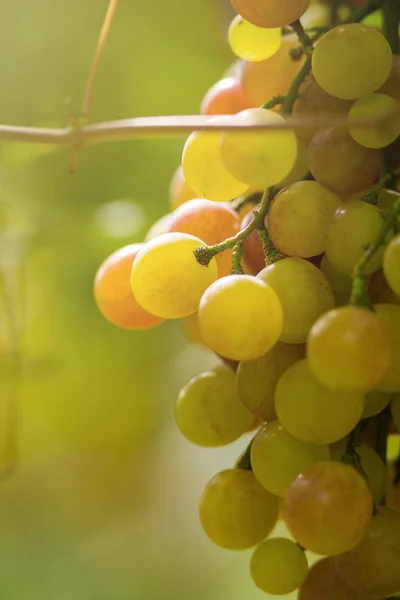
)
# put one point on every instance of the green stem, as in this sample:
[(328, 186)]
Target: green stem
[(237, 259), (274, 102), (293, 93), (301, 33)]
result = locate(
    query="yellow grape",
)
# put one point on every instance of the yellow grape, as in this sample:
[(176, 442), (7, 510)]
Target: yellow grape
[(166, 278), (395, 409), (386, 112), (300, 168), (179, 189), (257, 379), (278, 566), (253, 43), (324, 583), (299, 217), (350, 348), (277, 458), (374, 403), (274, 13), (209, 411), (372, 567), (351, 61), (328, 508), (303, 291), (312, 413), (340, 282), (240, 317), (236, 512), (375, 470), (259, 158), (389, 315), (354, 227), (391, 264), (204, 170)]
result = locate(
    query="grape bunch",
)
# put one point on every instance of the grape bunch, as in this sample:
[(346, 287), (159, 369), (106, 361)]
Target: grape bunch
[(282, 256)]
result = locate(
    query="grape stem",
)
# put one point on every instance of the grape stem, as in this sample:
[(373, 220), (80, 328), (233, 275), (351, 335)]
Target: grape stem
[(372, 196), (237, 259), (351, 456), (301, 33)]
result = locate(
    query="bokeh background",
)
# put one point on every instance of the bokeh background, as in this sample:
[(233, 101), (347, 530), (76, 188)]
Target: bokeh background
[(102, 502)]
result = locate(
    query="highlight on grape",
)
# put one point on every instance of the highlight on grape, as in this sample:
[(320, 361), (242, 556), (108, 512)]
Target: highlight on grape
[(281, 254)]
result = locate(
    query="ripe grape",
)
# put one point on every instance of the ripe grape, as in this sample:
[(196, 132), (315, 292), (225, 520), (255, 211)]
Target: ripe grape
[(225, 97), (341, 283), (277, 458), (254, 256), (166, 278), (300, 168), (374, 403), (391, 87), (253, 43), (209, 411), (236, 512), (299, 217), (338, 163), (324, 583), (278, 566), (391, 264), (113, 293), (354, 227), (395, 408), (386, 113), (257, 379), (179, 190), (351, 61), (372, 567), (304, 292), (350, 348), (311, 412), (204, 170), (210, 221), (240, 317), (328, 508), (259, 158), (389, 314), (159, 227), (274, 13)]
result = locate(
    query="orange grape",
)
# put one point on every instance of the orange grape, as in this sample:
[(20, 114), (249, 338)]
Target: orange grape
[(324, 583), (226, 97), (253, 252), (274, 13), (159, 227)]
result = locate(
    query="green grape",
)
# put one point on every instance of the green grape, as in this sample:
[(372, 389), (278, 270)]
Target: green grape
[(277, 458), (278, 566), (324, 583), (203, 168), (240, 317), (341, 283), (299, 217), (236, 512), (274, 13), (209, 411), (372, 567), (354, 227), (395, 409), (312, 413), (389, 314), (379, 290), (386, 113), (391, 264), (351, 61), (257, 379), (166, 279), (259, 158), (349, 348), (375, 470), (387, 200), (374, 403), (328, 508), (304, 292), (253, 43)]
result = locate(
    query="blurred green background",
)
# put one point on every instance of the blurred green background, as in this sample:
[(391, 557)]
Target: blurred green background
[(103, 503)]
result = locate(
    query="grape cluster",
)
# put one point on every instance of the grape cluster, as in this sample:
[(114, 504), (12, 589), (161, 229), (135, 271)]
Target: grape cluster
[(282, 256)]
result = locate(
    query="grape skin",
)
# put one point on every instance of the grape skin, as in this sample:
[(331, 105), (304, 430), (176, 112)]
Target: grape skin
[(273, 13), (381, 107), (278, 566), (323, 583), (253, 43)]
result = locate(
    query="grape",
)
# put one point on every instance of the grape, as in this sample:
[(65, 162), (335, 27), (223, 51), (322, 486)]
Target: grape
[(385, 110), (375, 470), (274, 13), (212, 222), (266, 79), (324, 583), (351, 60), (379, 291), (278, 566), (391, 264), (159, 227), (179, 190), (340, 282), (277, 458), (354, 227), (166, 278), (313, 101), (209, 411), (389, 314), (203, 168), (304, 292), (338, 163), (257, 379), (374, 403), (259, 158), (235, 510), (299, 217), (387, 200), (300, 168), (113, 294), (395, 408), (349, 348), (372, 567), (253, 43), (328, 508), (225, 97), (254, 256), (191, 328), (392, 489), (312, 413), (391, 87), (240, 317)]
